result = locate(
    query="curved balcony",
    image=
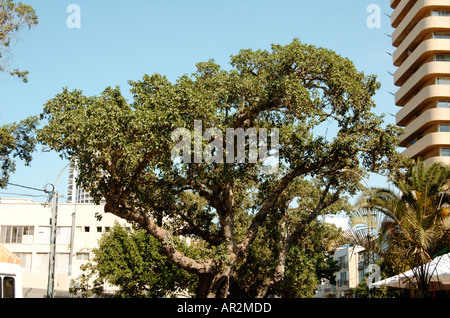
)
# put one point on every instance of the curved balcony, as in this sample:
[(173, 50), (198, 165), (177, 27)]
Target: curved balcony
[(394, 3), (423, 51), (400, 10), (425, 73), (433, 140), (426, 26), (438, 159), (426, 95), (429, 117), (413, 17)]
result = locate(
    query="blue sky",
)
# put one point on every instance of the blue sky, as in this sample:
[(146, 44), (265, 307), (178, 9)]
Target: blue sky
[(123, 40)]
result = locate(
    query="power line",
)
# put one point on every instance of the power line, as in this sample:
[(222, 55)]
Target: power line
[(25, 195), (27, 187)]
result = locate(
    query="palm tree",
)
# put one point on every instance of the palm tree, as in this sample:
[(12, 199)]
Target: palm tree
[(407, 227)]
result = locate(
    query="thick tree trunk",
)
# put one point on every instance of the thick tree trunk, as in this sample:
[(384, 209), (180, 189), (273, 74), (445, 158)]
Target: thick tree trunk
[(204, 285), (214, 286), (278, 275)]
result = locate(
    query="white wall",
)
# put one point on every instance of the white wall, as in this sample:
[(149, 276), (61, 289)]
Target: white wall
[(34, 249)]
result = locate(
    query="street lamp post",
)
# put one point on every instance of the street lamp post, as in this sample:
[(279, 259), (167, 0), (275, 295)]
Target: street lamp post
[(52, 257), (51, 262)]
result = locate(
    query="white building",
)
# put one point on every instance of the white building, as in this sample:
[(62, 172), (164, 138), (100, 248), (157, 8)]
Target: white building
[(353, 267), (25, 231), (353, 264)]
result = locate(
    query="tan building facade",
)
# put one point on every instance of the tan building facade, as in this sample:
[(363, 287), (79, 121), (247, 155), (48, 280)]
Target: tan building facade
[(422, 55)]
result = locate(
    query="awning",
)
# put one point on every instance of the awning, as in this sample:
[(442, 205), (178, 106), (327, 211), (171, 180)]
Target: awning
[(7, 257), (438, 270)]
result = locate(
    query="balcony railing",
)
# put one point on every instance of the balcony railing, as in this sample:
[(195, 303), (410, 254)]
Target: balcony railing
[(341, 283)]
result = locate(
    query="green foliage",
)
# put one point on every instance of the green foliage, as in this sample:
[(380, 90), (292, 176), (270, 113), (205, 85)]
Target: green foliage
[(133, 261), (309, 262), (123, 151), (86, 285), (16, 140), (14, 17), (309, 259), (409, 226)]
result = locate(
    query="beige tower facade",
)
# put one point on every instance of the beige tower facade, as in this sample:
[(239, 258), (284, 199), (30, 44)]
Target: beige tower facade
[(422, 55)]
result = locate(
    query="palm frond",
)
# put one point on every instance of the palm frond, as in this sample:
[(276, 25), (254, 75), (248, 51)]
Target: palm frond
[(362, 238), (409, 223)]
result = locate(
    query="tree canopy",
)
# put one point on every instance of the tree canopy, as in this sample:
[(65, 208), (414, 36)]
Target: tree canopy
[(321, 107), (16, 139), (132, 260), (13, 18)]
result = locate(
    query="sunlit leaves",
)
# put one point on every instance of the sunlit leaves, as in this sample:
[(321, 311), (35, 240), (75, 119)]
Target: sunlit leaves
[(13, 18), (17, 140), (320, 103)]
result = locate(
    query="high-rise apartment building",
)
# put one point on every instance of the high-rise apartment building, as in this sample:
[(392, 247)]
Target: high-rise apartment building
[(422, 55), (76, 194)]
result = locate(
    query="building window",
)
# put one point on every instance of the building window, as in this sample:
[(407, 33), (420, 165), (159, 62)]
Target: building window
[(99, 229), (443, 104), (362, 274), (343, 279), (440, 13), (82, 256), (87, 228), (445, 152), (441, 35), (25, 263), (8, 286), (343, 262), (17, 234), (443, 80), (444, 128), (442, 57)]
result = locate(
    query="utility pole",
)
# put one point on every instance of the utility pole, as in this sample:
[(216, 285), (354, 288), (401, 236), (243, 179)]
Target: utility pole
[(52, 259), (54, 227)]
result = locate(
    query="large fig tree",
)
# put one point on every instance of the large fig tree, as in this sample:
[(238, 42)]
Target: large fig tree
[(172, 159)]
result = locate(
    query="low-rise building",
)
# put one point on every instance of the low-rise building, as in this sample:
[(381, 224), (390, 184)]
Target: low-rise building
[(353, 264), (25, 227)]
